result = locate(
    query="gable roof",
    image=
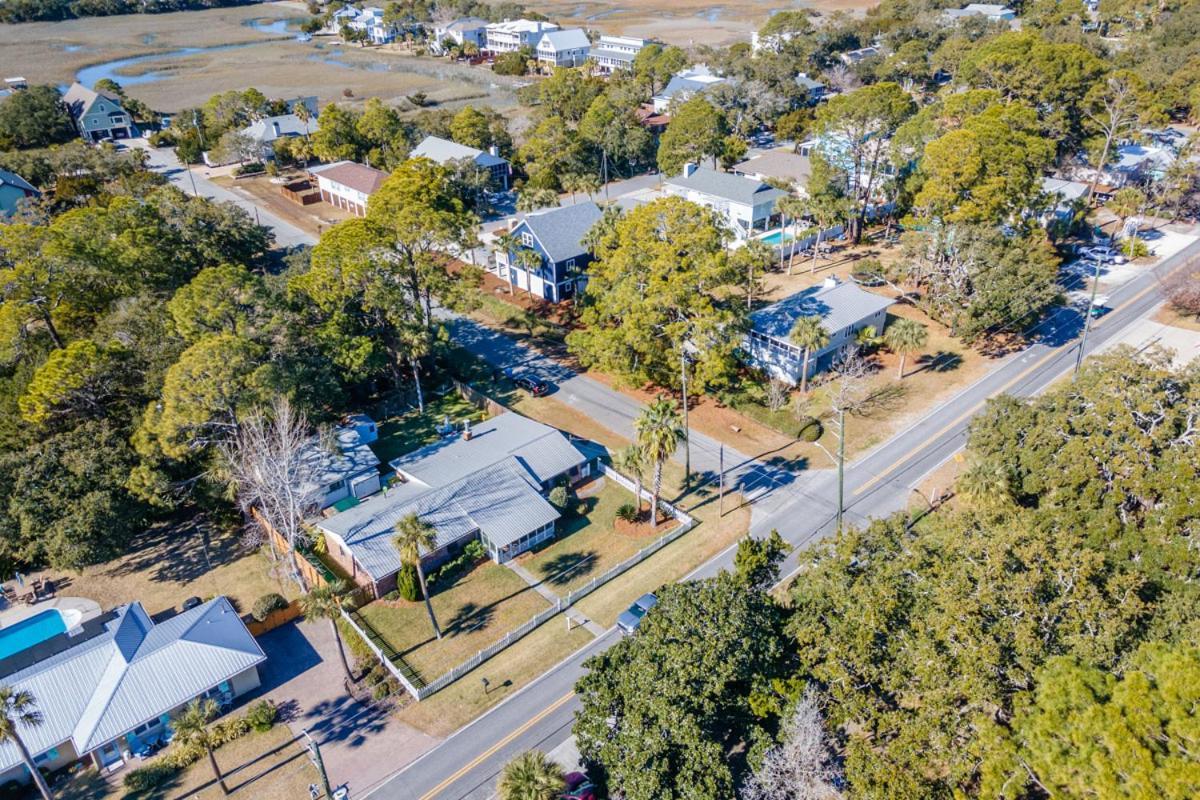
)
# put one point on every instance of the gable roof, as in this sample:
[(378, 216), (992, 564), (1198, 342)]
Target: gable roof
[(79, 99), (566, 39), (356, 176), (441, 151), (735, 188), (133, 671), (13, 179), (839, 306), (465, 24), (560, 231), (693, 80), (263, 130), (783, 164)]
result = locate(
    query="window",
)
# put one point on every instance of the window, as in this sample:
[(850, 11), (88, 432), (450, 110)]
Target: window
[(527, 239), (570, 263)]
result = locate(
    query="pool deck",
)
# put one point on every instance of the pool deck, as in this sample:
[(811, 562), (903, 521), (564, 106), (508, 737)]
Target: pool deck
[(12, 614)]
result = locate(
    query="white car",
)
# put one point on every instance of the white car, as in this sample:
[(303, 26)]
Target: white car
[(1105, 255)]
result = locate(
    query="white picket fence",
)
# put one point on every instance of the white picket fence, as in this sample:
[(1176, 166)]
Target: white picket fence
[(686, 523)]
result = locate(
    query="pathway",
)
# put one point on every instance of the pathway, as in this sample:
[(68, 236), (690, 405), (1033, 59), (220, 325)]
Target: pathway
[(553, 599)]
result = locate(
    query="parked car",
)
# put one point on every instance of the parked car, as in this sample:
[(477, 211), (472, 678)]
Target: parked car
[(1105, 255), (191, 603), (578, 788), (631, 618), (535, 386)]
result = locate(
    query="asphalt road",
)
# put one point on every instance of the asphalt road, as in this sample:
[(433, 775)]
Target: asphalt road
[(466, 764)]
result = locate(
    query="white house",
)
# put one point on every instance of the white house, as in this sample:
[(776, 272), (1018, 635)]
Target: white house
[(844, 309), (563, 48), (615, 53), (746, 205), (683, 85), (108, 685), (992, 12), (341, 464), (461, 31), (851, 57), (348, 185), (512, 35), (780, 164), (443, 151), (370, 20)]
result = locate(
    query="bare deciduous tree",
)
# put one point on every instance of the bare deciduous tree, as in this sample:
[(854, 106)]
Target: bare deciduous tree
[(1183, 290), (270, 464), (778, 392), (802, 767)]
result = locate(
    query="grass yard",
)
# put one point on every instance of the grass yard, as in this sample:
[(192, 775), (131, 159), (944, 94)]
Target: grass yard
[(408, 432), (588, 544), (170, 562), (478, 609)]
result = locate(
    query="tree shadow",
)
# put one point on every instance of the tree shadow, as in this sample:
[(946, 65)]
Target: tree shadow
[(345, 719), (565, 567), (90, 785), (469, 618), (181, 550), (941, 361)]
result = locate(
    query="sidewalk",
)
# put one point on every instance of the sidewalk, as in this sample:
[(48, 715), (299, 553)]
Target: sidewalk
[(540, 587)]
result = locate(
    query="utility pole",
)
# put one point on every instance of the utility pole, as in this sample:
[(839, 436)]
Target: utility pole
[(1087, 321), (687, 434), (192, 178), (721, 481), (314, 752), (841, 464)]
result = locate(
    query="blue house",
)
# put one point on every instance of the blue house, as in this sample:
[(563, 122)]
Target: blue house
[(555, 240)]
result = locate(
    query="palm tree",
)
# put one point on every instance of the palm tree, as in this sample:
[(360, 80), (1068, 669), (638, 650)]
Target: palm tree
[(1126, 203), (508, 244), (794, 207), (327, 602), (631, 460), (903, 337), (534, 199), (413, 536), (808, 334), (17, 710), (985, 485), (191, 728), (586, 183), (658, 434), (531, 776)]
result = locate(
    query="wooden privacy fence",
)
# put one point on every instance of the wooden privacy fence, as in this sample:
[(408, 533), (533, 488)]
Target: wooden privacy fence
[(478, 398), (273, 620)]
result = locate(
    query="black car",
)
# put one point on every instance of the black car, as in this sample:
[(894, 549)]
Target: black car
[(191, 603), (534, 386)]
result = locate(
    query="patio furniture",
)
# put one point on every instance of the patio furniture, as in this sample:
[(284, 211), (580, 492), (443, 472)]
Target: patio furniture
[(10, 594), (29, 598)]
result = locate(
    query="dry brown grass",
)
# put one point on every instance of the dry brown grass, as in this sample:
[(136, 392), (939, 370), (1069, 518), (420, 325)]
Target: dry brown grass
[(313, 219), (1169, 316)]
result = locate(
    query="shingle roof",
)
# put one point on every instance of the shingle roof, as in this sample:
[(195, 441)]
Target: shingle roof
[(560, 231), (441, 150), (263, 130), (466, 24), (356, 176), (839, 306), (567, 39), (79, 99), (783, 164), (735, 188), (134, 672)]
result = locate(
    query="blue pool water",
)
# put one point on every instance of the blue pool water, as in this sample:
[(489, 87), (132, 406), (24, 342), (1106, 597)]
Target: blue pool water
[(30, 631), (776, 237)]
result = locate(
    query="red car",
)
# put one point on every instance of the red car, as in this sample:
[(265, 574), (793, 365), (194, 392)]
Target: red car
[(578, 788)]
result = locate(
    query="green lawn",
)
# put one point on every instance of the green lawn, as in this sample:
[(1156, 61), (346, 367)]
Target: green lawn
[(587, 544), (479, 608), (408, 432)]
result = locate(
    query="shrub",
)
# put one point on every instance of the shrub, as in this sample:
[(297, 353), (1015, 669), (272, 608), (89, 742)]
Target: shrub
[(559, 497), (510, 64), (164, 138), (407, 585), (249, 168), (627, 512), (810, 429), (149, 777), (268, 603), (475, 550), (262, 715), (381, 691)]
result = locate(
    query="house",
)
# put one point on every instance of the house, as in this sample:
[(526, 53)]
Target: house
[(341, 466), (487, 484), (683, 85), (13, 189), (652, 120), (747, 205), (844, 309), (1065, 196), (814, 90), (348, 185), (615, 53), (461, 31), (563, 48), (98, 115), (771, 43), (267, 130), (836, 149), (511, 35), (369, 20), (851, 57), (782, 164), (1136, 164), (556, 237), (112, 683), (443, 151), (990, 11)]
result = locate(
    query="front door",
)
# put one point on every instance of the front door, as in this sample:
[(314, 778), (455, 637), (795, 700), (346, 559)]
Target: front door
[(110, 756)]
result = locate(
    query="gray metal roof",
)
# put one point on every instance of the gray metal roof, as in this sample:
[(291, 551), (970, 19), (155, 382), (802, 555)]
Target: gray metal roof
[(322, 466), (560, 231), (735, 188), (839, 306), (782, 164), (566, 39), (263, 130), (499, 499), (600, 51), (135, 672), (441, 151)]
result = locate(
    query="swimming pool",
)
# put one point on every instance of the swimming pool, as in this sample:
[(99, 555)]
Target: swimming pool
[(776, 237), (30, 631)]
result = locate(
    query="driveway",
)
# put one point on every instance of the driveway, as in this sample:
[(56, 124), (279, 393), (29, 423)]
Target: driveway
[(303, 677)]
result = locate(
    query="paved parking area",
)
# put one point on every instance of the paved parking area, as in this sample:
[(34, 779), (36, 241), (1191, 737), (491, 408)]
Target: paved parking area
[(360, 745)]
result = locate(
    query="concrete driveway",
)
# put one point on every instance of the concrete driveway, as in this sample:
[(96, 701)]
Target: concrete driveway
[(303, 677)]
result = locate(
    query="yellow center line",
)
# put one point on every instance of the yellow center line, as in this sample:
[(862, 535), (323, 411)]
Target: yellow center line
[(969, 412), (547, 711)]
